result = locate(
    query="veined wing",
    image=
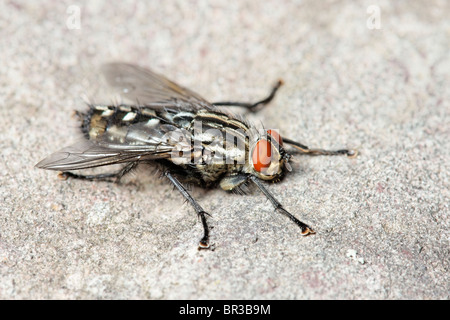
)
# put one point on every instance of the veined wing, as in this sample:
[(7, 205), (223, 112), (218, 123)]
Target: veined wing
[(88, 154), (147, 87), (136, 143)]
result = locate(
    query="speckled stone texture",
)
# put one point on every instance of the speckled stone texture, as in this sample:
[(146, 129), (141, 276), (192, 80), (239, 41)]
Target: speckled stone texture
[(382, 219)]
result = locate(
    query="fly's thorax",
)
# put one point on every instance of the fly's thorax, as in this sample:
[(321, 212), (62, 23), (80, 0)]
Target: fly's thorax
[(220, 138), (218, 145)]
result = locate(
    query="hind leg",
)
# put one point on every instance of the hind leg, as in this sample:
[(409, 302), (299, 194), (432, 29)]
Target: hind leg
[(110, 177)]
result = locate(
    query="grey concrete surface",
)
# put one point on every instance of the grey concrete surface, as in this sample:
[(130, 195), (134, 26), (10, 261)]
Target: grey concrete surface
[(382, 219)]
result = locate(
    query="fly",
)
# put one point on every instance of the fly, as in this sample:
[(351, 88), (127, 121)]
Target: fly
[(190, 139)]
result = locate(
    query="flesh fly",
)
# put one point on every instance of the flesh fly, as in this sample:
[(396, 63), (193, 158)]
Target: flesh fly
[(190, 139)]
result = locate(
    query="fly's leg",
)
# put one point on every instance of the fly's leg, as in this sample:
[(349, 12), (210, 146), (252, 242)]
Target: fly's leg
[(204, 242), (252, 106), (316, 152), (110, 177), (306, 230)]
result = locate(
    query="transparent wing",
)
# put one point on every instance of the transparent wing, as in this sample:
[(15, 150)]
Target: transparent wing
[(145, 86), (134, 143), (88, 154)]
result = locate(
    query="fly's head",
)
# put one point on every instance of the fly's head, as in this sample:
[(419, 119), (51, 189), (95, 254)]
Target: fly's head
[(269, 159)]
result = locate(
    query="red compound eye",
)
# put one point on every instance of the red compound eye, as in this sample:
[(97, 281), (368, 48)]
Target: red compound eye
[(274, 134), (262, 155)]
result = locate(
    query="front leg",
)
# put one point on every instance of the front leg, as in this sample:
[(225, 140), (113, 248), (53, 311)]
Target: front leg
[(306, 230), (320, 152)]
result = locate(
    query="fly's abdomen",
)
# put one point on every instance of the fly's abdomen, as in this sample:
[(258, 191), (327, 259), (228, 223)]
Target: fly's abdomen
[(116, 120)]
